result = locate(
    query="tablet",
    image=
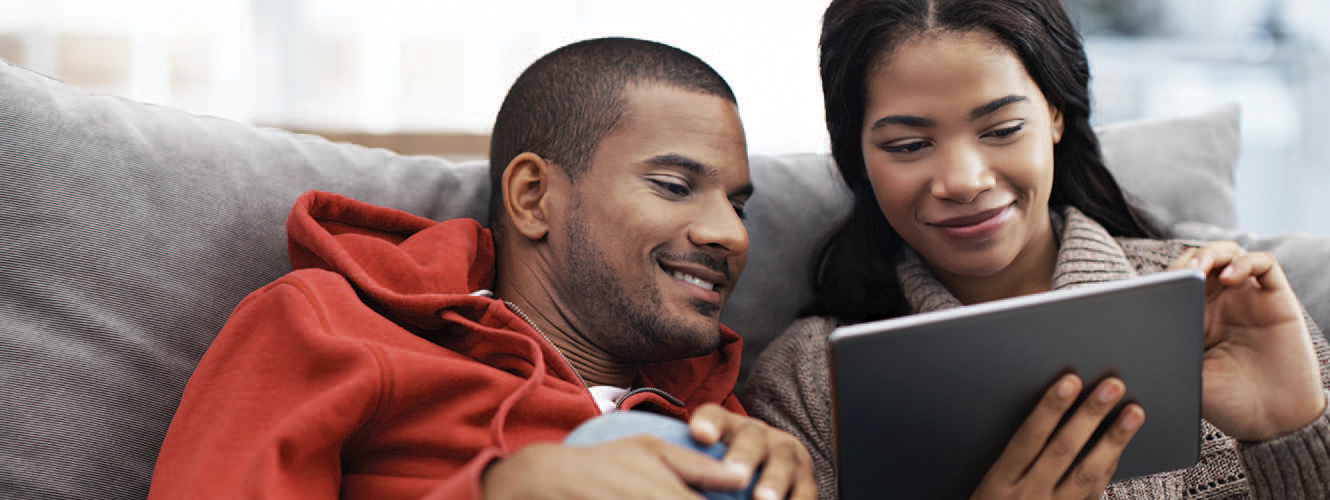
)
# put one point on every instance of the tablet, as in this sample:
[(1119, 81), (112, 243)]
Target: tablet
[(923, 404)]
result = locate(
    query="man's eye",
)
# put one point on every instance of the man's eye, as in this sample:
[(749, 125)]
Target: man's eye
[(909, 147), (739, 210), (674, 188)]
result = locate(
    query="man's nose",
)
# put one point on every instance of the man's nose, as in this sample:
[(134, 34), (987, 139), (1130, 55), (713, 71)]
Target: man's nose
[(719, 226)]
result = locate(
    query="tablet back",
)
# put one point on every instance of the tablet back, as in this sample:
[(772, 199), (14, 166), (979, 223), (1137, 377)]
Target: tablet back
[(924, 404)]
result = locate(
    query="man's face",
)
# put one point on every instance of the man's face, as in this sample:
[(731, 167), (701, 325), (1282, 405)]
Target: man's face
[(652, 241)]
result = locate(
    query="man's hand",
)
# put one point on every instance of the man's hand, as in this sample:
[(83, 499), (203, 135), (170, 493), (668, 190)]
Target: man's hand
[(640, 467), (1037, 462), (787, 469), (1260, 375)]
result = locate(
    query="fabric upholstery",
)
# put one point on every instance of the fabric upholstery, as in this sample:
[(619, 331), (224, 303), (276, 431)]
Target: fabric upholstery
[(128, 232)]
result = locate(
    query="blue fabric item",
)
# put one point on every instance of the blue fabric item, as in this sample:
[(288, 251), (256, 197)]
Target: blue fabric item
[(622, 424)]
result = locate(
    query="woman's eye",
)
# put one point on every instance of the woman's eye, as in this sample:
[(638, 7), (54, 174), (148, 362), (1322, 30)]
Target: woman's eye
[(674, 188), (1007, 131), (739, 210), (909, 147)]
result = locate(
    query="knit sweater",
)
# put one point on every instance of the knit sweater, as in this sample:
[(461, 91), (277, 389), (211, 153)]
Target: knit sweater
[(789, 386)]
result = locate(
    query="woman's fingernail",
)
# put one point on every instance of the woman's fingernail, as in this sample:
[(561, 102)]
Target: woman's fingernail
[(1065, 389), (1228, 271), (1131, 421), (1194, 263), (1108, 393), (765, 494)]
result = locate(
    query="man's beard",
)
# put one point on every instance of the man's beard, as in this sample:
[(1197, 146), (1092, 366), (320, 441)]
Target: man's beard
[(602, 301)]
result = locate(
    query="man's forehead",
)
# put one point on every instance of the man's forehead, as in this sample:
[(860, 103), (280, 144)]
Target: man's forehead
[(669, 126)]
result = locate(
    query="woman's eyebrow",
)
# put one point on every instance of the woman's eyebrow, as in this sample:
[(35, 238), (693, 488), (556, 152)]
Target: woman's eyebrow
[(907, 120), (921, 122), (995, 105)]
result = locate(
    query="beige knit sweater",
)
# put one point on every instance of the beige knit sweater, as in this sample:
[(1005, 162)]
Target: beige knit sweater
[(789, 386)]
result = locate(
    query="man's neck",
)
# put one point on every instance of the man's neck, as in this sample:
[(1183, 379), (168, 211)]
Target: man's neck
[(536, 301)]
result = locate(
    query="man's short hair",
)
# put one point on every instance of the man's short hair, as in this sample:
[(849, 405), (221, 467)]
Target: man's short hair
[(570, 99)]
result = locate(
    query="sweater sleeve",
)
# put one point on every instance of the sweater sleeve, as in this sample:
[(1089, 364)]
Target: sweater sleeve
[(1296, 466), (275, 401), (789, 388)]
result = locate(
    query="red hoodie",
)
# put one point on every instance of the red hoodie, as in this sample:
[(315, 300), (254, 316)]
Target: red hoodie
[(372, 371)]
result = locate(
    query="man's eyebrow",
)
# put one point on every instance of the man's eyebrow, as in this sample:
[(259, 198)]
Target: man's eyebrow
[(921, 122), (684, 162), (697, 168), (995, 105)]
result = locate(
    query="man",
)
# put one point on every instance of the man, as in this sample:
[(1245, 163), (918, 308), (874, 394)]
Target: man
[(410, 359)]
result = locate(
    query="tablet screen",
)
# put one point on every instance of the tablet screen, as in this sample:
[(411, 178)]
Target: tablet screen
[(924, 404)]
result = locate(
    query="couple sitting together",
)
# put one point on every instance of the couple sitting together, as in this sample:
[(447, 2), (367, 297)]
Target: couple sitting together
[(409, 358)]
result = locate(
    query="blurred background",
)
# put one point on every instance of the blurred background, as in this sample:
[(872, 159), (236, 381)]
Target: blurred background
[(427, 76)]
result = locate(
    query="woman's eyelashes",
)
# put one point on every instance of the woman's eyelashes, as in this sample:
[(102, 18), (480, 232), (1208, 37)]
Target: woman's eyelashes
[(908, 147), (1007, 131)]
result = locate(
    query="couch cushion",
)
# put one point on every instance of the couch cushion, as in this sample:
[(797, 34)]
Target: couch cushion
[(130, 232), (1179, 169)]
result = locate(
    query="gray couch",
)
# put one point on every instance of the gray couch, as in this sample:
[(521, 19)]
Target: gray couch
[(128, 232)]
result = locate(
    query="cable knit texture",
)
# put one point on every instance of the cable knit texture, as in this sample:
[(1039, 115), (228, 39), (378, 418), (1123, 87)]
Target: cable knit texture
[(789, 386)]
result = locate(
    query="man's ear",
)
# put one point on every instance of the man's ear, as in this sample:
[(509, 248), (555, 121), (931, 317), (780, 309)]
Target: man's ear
[(526, 188)]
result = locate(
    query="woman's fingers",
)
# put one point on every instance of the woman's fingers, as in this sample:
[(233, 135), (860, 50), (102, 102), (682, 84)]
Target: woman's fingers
[(1209, 257), (1040, 461), (1096, 468), (1066, 444), (1029, 440)]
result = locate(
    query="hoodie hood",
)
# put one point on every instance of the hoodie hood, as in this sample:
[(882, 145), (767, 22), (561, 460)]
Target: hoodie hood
[(419, 272), (410, 265)]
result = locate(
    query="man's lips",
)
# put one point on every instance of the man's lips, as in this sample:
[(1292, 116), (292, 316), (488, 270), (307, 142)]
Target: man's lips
[(696, 272), (703, 283)]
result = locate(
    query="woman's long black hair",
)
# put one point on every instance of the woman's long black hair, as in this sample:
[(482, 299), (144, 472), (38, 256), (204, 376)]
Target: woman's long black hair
[(854, 275)]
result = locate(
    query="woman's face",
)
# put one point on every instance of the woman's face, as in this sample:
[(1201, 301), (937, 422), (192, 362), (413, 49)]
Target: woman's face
[(958, 143)]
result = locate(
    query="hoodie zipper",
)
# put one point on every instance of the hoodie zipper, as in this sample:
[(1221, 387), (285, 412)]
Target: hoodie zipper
[(513, 307)]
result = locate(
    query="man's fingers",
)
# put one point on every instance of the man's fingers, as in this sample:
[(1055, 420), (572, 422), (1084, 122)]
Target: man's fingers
[(708, 423), (745, 438), (1092, 474), (787, 470), (1030, 438), (696, 468), (1063, 448), (747, 442)]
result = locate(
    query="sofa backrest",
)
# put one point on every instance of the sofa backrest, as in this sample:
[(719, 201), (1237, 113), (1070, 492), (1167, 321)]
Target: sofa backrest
[(128, 232)]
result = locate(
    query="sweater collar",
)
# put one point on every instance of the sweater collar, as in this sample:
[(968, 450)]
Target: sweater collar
[(1087, 254)]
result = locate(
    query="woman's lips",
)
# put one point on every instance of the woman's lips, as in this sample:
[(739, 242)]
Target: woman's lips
[(978, 226)]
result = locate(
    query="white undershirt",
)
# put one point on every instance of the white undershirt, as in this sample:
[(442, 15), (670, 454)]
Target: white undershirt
[(607, 396)]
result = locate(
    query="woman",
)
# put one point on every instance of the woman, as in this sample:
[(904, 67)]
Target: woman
[(962, 128)]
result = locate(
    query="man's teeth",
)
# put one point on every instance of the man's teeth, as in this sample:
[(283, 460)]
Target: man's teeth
[(694, 280)]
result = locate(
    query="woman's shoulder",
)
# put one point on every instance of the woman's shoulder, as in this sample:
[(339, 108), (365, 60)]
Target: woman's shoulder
[(804, 339), (812, 330)]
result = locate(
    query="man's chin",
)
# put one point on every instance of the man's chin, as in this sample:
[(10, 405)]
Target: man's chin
[(709, 310), (699, 340)]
